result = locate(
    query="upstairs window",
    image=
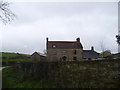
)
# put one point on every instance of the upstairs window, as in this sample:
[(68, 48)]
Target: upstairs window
[(53, 46), (75, 52)]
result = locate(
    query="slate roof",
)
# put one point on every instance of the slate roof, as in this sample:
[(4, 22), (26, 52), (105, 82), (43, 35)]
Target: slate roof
[(90, 54), (117, 54), (64, 44), (41, 54)]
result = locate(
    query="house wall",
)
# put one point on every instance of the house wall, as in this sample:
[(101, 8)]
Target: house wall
[(42, 58), (57, 54), (35, 57)]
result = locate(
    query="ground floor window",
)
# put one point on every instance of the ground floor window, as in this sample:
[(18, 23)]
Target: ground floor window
[(74, 58)]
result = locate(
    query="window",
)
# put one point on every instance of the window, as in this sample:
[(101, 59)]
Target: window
[(74, 58), (75, 52), (53, 46)]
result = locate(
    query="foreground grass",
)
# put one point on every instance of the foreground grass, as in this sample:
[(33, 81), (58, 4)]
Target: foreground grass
[(11, 78)]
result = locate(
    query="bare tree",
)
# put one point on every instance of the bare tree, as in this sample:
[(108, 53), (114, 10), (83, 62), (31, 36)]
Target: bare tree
[(102, 46), (6, 15), (103, 49), (105, 52)]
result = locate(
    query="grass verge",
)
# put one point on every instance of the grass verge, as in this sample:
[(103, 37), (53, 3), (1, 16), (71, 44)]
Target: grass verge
[(11, 78)]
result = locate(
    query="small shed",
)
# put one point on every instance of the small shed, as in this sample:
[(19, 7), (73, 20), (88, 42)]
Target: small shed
[(37, 56)]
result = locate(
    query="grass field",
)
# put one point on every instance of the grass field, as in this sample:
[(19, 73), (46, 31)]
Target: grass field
[(13, 79), (14, 57), (8, 55)]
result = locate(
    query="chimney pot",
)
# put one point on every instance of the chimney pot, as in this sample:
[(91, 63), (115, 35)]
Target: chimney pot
[(78, 39), (47, 39), (47, 43), (92, 48)]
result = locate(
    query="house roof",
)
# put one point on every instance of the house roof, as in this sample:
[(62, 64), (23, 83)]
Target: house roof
[(41, 54), (90, 54), (116, 54), (64, 44)]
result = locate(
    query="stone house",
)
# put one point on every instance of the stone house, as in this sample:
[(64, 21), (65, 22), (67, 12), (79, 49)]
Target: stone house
[(36, 56), (64, 50), (90, 54)]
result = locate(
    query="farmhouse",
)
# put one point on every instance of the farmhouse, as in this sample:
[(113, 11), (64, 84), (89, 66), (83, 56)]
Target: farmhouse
[(36, 56), (64, 50)]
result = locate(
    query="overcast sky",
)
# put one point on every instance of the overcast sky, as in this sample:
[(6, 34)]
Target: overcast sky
[(93, 22)]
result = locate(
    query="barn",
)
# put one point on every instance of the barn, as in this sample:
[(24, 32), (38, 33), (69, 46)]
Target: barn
[(37, 56)]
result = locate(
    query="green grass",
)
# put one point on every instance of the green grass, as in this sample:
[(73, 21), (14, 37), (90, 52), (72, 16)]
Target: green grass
[(8, 55), (16, 60), (14, 57), (12, 78)]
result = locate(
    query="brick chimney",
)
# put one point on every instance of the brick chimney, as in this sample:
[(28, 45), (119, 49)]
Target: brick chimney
[(47, 43), (78, 39), (92, 48), (47, 39)]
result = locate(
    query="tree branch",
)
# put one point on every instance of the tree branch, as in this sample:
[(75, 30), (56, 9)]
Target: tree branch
[(6, 14)]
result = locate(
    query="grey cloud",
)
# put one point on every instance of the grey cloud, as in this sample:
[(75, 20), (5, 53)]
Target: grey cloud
[(92, 22)]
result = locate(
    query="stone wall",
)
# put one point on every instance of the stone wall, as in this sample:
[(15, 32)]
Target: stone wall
[(57, 54), (75, 74)]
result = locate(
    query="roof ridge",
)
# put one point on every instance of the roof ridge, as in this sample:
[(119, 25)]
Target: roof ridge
[(62, 41), (64, 44)]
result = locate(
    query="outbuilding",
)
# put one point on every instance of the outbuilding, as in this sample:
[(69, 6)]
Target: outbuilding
[(90, 54), (37, 56)]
